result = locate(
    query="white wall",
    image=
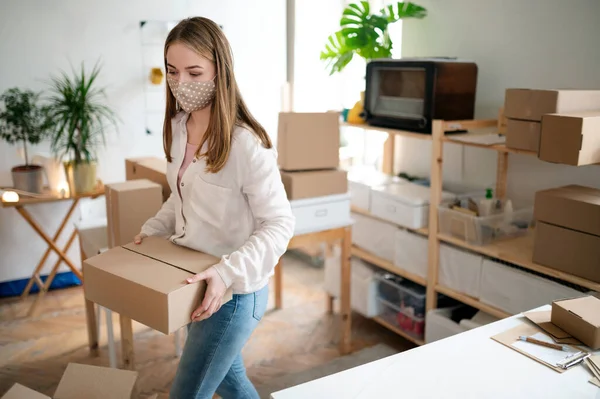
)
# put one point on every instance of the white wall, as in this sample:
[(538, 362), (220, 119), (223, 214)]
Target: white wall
[(38, 38), (515, 43)]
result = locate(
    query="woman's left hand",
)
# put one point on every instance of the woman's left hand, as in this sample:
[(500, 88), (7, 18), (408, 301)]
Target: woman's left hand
[(213, 296)]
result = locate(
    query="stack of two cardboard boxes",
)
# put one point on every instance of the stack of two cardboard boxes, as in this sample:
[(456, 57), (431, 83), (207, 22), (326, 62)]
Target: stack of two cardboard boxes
[(562, 126), (567, 236), (308, 155)]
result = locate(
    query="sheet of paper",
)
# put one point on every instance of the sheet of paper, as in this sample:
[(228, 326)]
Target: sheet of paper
[(548, 355)]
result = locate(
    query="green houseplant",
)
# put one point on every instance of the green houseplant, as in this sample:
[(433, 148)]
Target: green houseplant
[(365, 34), (24, 121), (81, 118)]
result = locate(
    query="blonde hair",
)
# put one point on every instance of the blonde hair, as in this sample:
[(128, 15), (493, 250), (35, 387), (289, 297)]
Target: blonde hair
[(228, 109)]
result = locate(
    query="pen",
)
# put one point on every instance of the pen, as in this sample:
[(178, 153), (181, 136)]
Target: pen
[(543, 343)]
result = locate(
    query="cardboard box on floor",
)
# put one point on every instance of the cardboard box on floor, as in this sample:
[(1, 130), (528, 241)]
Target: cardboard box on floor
[(567, 250), (523, 135), (531, 104), (128, 206), (574, 207), (308, 141), (151, 168), (316, 183), (84, 381), (571, 138), (146, 282), (580, 317)]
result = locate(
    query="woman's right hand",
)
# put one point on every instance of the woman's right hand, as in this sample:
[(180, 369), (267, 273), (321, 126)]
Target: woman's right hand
[(139, 238)]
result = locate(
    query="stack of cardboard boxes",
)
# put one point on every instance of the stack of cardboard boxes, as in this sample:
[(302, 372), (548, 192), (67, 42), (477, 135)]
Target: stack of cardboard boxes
[(567, 236), (308, 155), (562, 126)]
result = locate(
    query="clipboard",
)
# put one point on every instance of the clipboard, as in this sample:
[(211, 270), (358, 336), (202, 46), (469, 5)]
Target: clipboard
[(509, 337)]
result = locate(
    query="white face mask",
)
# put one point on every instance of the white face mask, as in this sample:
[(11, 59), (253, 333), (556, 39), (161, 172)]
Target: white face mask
[(193, 96)]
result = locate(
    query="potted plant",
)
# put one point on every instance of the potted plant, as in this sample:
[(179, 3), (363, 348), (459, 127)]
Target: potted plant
[(80, 117), (24, 121), (365, 34)]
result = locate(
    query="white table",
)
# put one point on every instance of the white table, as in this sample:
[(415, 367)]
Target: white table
[(467, 365)]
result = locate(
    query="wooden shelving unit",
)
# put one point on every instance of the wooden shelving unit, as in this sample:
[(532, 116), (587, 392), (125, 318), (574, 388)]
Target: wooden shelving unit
[(398, 331), (517, 251)]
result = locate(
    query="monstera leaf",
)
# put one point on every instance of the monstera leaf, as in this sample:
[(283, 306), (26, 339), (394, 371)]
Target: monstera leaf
[(336, 54), (401, 10), (365, 34)]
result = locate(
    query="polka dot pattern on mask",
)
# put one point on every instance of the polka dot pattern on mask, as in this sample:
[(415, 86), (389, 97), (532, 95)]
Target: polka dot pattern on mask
[(193, 96)]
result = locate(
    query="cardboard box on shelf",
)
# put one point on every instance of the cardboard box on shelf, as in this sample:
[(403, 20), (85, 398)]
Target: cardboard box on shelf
[(574, 207), (580, 317), (151, 168), (523, 135), (316, 183), (567, 250), (146, 282), (128, 206), (308, 141), (84, 381), (531, 104), (571, 138)]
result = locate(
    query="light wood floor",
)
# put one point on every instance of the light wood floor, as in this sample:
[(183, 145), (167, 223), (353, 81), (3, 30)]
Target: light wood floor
[(35, 351)]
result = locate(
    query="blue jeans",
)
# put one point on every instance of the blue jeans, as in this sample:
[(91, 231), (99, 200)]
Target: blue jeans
[(212, 360)]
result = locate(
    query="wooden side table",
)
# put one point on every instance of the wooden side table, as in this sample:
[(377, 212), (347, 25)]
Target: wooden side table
[(51, 241)]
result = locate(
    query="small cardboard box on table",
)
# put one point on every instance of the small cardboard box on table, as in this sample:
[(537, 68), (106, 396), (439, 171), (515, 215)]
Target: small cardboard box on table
[(147, 282), (84, 381)]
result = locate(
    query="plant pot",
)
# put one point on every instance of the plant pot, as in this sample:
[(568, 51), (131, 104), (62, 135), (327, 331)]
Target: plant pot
[(81, 177), (29, 178)]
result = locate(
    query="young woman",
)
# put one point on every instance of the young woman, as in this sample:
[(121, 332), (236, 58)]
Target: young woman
[(227, 200)]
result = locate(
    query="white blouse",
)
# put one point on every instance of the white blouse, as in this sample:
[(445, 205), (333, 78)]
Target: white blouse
[(240, 214)]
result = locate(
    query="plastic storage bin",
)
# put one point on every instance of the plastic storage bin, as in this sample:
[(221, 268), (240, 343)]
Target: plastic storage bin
[(360, 181), (392, 314), (409, 297), (321, 213), (483, 230), (405, 204)]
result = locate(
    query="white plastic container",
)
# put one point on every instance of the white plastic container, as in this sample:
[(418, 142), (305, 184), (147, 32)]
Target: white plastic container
[(406, 204), (439, 324), (360, 182), (410, 252), (321, 213), (484, 230), (374, 236), (460, 270), (514, 290), (363, 291)]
